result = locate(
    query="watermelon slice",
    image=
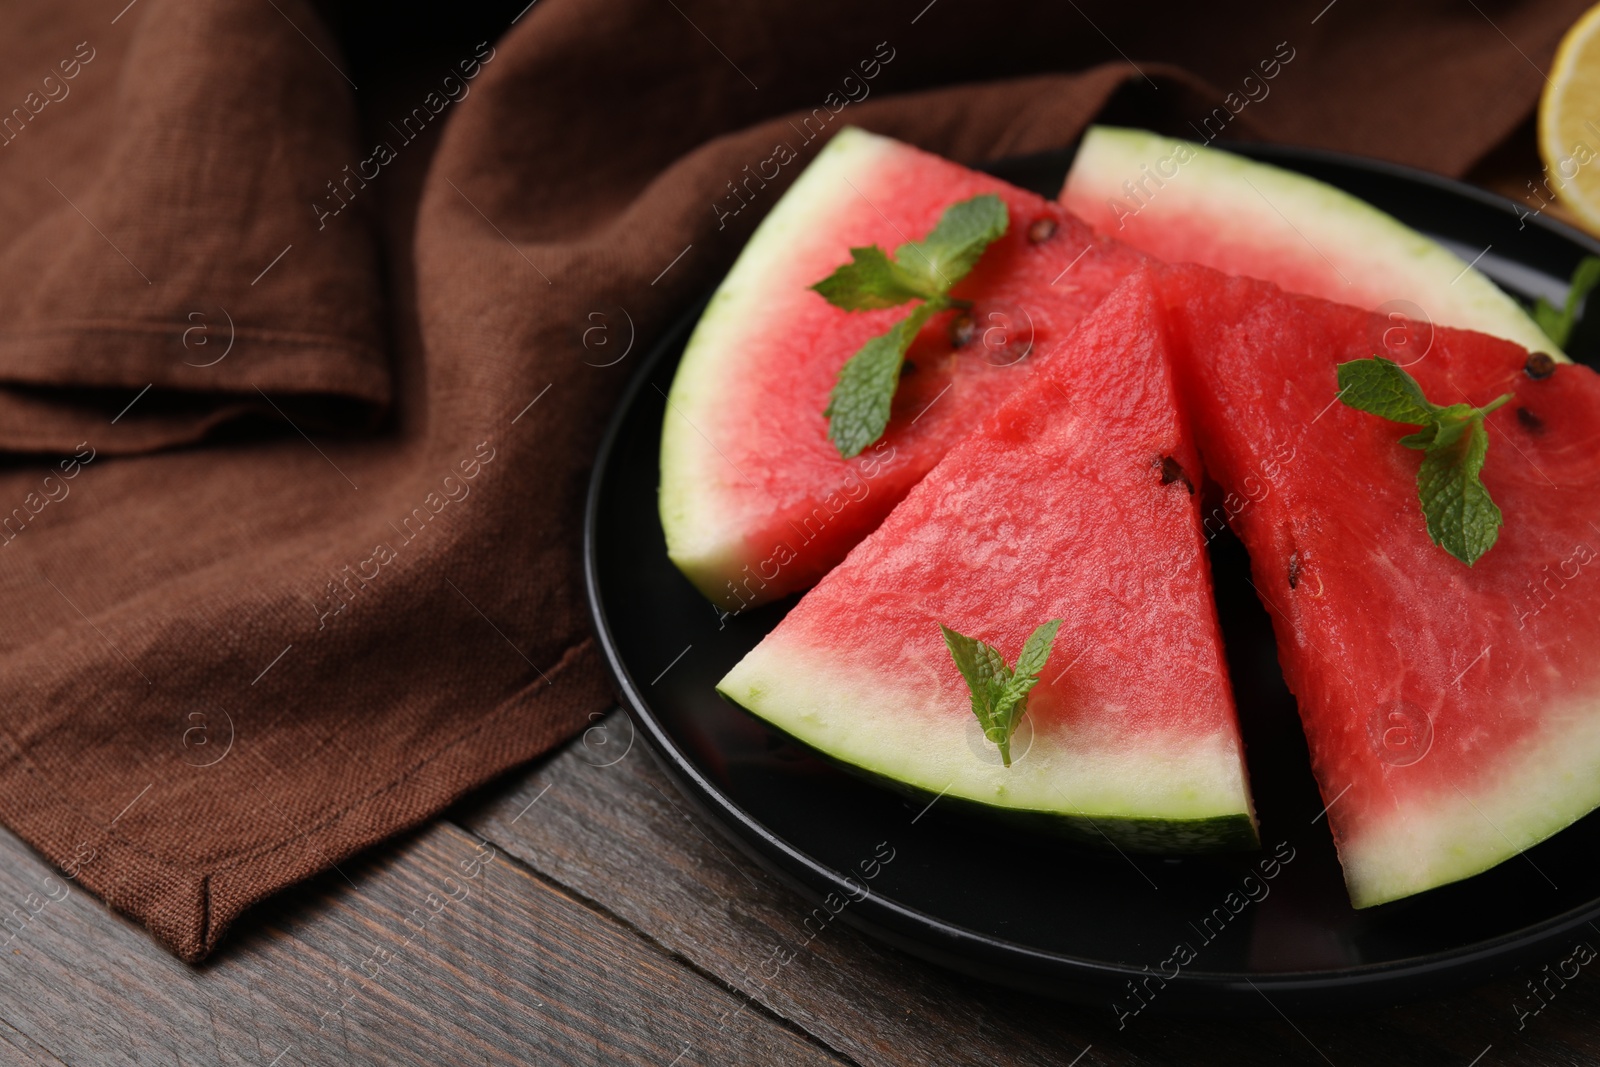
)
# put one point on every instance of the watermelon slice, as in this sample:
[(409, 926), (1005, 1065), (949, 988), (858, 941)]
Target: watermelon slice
[(1074, 499), (1452, 712), (1187, 203), (755, 500)]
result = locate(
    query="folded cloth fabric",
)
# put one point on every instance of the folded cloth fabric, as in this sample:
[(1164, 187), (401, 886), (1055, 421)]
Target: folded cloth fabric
[(299, 378)]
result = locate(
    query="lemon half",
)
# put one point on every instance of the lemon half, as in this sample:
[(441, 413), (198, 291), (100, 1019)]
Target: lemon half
[(1569, 121)]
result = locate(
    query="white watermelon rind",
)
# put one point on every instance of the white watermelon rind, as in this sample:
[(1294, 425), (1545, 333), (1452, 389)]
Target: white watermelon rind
[(1545, 784), (694, 471), (1175, 793), (1357, 238)]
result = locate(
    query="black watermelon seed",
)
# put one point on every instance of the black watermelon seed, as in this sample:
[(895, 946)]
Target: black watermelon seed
[(961, 330), (1172, 471), (1540, 366)]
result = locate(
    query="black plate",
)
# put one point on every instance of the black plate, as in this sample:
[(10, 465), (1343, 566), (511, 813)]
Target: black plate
[(1080, 923)]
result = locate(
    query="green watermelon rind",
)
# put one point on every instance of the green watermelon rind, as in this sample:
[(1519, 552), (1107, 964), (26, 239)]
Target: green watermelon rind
[(1218, 833), (1346, 230), (792, 693), (688, 498)]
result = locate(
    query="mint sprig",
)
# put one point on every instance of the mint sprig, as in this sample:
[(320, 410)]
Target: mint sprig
[(1557, 322), (1453, 441), (858, 407), (1000, 693)]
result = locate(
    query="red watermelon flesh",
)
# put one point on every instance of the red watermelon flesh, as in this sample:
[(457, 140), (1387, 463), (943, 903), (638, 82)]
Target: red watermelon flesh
[(755, 500), (1452, 712), (1075, 498)]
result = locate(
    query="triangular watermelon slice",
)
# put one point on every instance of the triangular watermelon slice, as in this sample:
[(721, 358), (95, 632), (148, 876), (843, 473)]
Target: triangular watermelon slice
[(1184, 202), (1452, 712), (1075, 498), (755, 500)]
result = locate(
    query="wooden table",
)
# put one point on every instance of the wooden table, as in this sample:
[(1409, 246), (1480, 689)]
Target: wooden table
[(582, 914)]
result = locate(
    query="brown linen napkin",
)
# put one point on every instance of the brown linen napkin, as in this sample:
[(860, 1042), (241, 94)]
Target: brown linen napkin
[(227, 666), (155, 180)]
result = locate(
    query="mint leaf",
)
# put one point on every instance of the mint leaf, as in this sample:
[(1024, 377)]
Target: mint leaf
[(1037, 649), (999, 694), (1381, 387), (1454, 441), (869, 281), (858, 408), (1557, 323), (859, 405), (952, 248), (986, 675), (1014, 701), (1461, 517)]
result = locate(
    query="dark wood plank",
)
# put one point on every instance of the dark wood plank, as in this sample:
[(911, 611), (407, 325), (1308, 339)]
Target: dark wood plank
[(15, 1047), (436, 950), (620, 834)]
